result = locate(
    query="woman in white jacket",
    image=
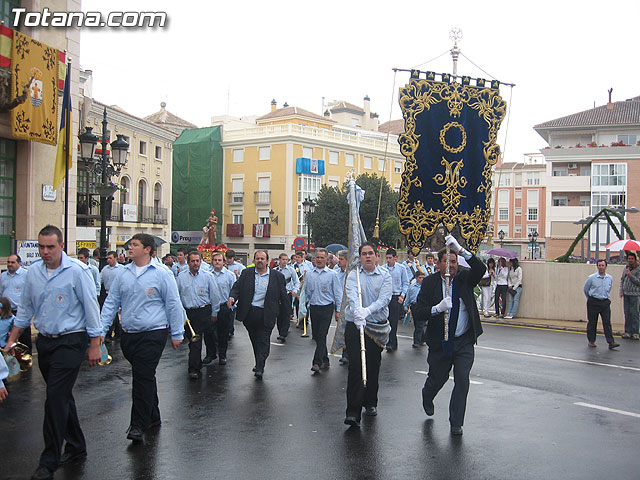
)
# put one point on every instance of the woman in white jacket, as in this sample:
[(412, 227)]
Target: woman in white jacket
[(515, 285), (487, 285)]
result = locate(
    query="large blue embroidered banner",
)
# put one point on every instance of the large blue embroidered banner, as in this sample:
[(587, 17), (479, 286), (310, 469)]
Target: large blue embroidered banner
[(450, 147)]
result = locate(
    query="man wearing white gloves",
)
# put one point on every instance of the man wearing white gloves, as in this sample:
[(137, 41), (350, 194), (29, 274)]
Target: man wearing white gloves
[(464, 329), (369, 312)]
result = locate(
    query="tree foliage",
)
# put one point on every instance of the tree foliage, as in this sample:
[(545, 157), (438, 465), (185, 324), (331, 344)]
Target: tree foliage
[(331, 216)]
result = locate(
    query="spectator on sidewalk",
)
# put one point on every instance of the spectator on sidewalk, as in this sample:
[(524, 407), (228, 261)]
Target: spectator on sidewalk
[(487, 286), (597, 289), (630, 292), (514, 287), (502, 273)]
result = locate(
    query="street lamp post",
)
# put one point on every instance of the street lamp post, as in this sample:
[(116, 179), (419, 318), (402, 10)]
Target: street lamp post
[(308, 207), (501, 237), (106, 170), (533, 240)]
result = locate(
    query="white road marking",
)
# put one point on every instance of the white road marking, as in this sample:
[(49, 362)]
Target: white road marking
[(472, 382), (607, 409), (554, 357)]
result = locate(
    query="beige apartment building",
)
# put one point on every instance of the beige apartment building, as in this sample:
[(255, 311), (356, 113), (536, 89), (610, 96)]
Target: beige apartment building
[(274, 162), (145, 206)]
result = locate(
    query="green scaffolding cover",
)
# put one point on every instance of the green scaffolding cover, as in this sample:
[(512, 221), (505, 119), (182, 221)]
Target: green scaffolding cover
[(197, 178)]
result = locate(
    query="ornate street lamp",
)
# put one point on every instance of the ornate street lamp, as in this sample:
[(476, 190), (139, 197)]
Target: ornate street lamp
[(106, 169), (501, 237), (308, 206), (533, 239)]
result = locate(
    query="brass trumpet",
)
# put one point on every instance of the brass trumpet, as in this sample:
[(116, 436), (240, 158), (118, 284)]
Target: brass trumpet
[(18, 361), (194, 336)]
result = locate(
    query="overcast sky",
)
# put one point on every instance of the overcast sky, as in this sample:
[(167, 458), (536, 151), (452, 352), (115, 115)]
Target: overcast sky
[(215, 58)]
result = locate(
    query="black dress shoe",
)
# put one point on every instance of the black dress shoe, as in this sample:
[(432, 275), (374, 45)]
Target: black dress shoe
[(428, 406), (69, 457), (456, 430), (343, 361), (613, 345), (135, 434), (324, 366), (42, 473), (371, 411), (254, 369), (193, 375), (282, 339), (352, 421), (207, 360), (222, 361), (259, 374), (315, 368)]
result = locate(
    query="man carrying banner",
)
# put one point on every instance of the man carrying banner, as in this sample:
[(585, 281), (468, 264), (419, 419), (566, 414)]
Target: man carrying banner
[(464, 329), (367, 307)]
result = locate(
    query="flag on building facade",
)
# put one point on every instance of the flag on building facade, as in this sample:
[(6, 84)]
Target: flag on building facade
[(34, 61), (63, 157), (450, 148)]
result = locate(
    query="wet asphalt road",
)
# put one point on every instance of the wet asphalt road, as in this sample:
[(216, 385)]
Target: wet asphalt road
[(525, 417)]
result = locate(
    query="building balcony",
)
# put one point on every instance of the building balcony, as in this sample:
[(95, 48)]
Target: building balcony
[(569, 183), (235, 198), (262, 197), (137, 214), (261, 230), (588, 154), (235, 230)]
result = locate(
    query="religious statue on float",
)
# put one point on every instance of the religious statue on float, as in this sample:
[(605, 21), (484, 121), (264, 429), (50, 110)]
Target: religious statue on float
[(209, 234)]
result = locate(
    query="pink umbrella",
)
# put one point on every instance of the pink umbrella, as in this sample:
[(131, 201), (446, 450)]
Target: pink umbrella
[(619, 245)]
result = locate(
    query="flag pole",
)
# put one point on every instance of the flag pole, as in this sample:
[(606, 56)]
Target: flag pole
[(66, 161)]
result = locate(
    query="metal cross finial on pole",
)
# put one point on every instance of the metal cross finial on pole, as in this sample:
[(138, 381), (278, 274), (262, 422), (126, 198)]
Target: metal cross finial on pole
[(455, 34)]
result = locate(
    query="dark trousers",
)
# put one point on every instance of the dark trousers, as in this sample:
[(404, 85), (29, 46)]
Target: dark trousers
[(357, 395), (501, 299), (260, 335), (216, 338), (284, 321), (395, 314), (439, 367), (597, 307), (59, 360), (143, 351), (418, 328), (200, 319), (296, 307), (320, 323)]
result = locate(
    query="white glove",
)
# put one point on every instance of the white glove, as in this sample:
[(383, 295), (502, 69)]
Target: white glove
[(453, 243), (444, 305), (359, 322), (362, 313)]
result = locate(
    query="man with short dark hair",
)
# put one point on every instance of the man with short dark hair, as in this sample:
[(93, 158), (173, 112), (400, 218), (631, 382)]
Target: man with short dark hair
[(181, 265), (148, 295), (430, 267), (597, 289), (464, 329), (225, 280), (233, 266), (83, 256), (400, 284), (409, 303), (261, 295), (630, 293), (293, 285), (61, 299), (11, 285), (108, 274)]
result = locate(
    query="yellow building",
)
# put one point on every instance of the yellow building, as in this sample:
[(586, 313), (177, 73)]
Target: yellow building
[(273, 163)]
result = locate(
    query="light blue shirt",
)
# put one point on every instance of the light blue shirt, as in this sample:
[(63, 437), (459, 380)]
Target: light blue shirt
[(412, 295), (225, 280), (291, 277), (11, 286), (322, 287), (109, 274), (341, 274), (399, 278), (95, 276), (463, 315), (65, 302), (597, 286), (178, 268), (5, 328), (236, 268), (198, 290), (376, 294), (4, 371), (149, 302), (260, 288)]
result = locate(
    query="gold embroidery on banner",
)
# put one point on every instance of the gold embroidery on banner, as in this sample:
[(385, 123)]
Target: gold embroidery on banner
[(415, 222)]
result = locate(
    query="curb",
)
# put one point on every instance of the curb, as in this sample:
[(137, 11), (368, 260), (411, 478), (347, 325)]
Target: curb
[(579, 327)]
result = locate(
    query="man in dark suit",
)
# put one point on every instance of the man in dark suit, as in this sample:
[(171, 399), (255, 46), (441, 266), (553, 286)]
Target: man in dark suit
[(464, 329), (262, 295)]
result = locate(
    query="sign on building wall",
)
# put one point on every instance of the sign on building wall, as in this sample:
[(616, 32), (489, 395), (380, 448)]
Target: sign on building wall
[(129, 213), (28, 251), (48, 193), (90, 244)]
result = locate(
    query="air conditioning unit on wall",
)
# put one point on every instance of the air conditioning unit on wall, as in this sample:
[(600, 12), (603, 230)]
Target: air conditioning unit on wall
[(573, 165)]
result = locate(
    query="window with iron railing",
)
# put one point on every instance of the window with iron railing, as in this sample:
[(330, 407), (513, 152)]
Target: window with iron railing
[(262, 197)]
